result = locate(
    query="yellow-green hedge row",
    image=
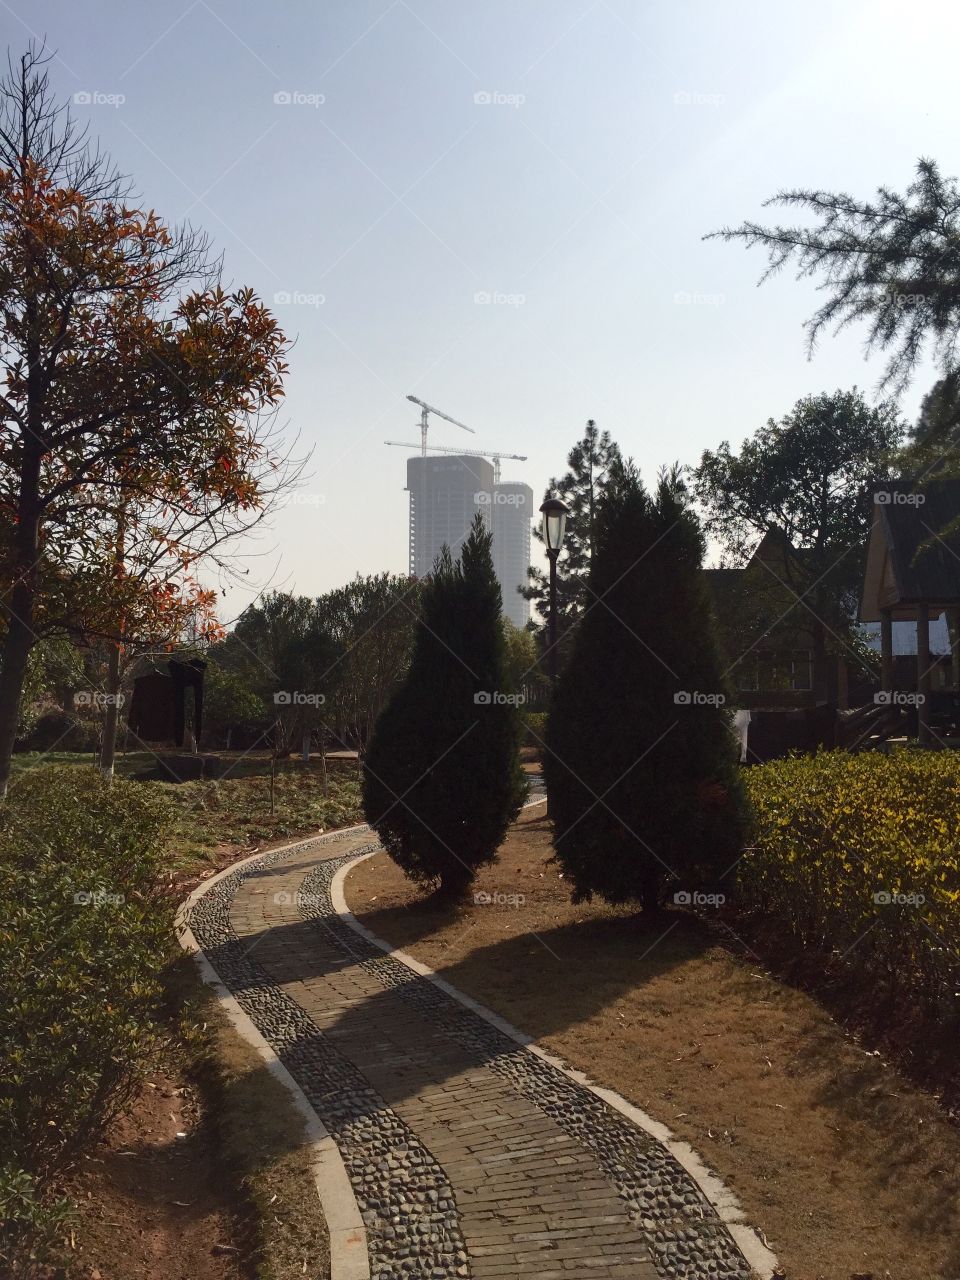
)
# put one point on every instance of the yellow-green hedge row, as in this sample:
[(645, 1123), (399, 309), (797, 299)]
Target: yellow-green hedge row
[(859, 855)]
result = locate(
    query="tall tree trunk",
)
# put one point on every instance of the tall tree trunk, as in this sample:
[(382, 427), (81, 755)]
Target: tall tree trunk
[(820, 683), (20, 636), (111, 715), (16, 652)]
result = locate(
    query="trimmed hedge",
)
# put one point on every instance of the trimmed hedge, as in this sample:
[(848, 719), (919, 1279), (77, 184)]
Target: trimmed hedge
[(859, 855), (84, 933)]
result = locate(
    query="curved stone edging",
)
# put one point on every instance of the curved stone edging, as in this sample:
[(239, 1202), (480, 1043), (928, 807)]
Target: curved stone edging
[(390, 1208), (721, 1200), (349, 1259)]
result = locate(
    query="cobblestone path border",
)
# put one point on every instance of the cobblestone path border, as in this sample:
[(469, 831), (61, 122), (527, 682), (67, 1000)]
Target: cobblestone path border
[(470, 1154)]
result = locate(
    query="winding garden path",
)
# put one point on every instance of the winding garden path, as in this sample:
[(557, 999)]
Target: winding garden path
[(468, 1154)]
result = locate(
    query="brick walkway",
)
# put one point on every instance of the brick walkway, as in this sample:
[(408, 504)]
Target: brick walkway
[(468, 1155)]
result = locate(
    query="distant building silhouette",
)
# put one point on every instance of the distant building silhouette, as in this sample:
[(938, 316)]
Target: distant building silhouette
[(445, 495)]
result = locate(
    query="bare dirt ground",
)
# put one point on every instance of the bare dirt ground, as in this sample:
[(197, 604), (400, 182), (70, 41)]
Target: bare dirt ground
[(847, 1168), (153, 1205)]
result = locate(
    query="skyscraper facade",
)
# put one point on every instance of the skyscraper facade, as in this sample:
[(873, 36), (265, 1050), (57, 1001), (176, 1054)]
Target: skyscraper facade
[(445, 495)]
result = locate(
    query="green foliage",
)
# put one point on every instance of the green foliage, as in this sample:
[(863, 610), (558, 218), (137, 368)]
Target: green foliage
[(806, 480), (79, 982), (30, 1224), (347, 651), (933, 450), (62, 731), (372, 622), (833, 832), (283, 652), (589, 463), (523, 674), (229, 702), (644, 789), (236, 810), (535, 723), (442, 778), (892, 263), (53, 667)]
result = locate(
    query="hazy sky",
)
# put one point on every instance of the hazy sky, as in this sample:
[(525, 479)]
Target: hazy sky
[(562, 158)]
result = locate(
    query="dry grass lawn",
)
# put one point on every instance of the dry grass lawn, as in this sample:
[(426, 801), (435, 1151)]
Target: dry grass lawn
[(846, 1168)]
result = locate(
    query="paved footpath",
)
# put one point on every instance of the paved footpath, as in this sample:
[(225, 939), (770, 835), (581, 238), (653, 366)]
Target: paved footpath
[(469, 1156)]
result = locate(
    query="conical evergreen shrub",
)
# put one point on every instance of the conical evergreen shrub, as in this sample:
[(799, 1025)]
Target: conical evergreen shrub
[(442, 779), (641, 769)]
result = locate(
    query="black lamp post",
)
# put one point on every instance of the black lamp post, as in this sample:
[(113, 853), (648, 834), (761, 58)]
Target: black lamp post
[(554, 513)]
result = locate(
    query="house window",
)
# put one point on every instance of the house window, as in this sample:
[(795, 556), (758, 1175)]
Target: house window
[(748, 675)]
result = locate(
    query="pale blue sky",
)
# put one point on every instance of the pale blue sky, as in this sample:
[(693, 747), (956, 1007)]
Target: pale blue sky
[(618, 134)]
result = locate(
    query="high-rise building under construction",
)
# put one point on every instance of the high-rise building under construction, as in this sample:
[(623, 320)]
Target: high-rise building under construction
[(445, 495)]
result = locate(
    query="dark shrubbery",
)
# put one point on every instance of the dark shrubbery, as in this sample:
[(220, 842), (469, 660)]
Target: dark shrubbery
[(442, 778), (61, 731), (640, 764), (85, 932)]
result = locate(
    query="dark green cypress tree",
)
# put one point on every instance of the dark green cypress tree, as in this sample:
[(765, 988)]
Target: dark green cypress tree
[(442, 779), (641, 767)]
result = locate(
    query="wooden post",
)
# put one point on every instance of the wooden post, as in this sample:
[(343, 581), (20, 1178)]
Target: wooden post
[(843, 683), (886, 650), (923, 673), (953, 630)]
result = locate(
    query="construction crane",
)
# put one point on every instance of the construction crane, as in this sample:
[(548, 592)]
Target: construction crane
[(428, 408), (468, 453)]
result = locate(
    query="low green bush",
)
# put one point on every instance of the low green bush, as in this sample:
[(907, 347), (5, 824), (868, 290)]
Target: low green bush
[(535, 728), (30, 1224), (85, 932), (859, 856)]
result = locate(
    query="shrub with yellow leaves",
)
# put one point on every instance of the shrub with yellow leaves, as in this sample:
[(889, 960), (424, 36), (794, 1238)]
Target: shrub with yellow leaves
[(859, 855)]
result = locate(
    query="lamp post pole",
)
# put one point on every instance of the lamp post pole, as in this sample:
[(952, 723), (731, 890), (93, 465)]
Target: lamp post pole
[(552, 553)]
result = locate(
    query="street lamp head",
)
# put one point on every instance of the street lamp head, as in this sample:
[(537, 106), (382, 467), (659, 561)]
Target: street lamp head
[(554, 512)]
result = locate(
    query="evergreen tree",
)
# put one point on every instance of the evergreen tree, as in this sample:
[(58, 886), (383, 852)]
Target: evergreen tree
[(641, 763), (589, 465), (891, 263), (442, 779), (807, 480)]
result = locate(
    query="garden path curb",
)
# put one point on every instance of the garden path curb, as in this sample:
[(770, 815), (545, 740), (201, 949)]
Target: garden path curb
[(349, 1259), (762, 1259), (350, 1244)]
